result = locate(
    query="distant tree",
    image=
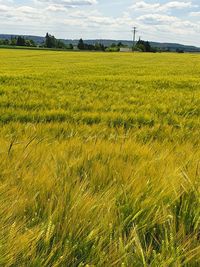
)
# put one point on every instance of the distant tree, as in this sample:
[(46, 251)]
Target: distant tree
[(60, 44), (112, 49), (33, 44), (30, 43), (13, 41), (120, 44), (143, 46), (71, 46), (102, 47), (97, 47), (20, 41), (81, 44), (148, 47), (113, 45), (6, 42), (180, 51), (47, 40), (89, 47), (50, 41)]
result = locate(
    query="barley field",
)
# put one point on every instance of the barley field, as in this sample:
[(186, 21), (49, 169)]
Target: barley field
[(99, 159)]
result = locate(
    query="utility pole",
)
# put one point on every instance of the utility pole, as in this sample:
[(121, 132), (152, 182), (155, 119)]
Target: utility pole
[(134, 34)]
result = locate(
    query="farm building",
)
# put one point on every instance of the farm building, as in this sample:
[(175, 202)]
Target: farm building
[(125, 49)]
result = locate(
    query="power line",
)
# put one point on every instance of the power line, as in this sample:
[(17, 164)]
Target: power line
[(134, 35)]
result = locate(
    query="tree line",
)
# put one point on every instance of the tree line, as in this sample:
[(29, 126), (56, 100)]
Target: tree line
[(49, 42), (52, 42), (18, 41)]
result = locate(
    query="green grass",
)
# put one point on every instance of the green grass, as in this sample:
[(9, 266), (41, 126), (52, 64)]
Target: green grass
[(99, 159), (33, 48)]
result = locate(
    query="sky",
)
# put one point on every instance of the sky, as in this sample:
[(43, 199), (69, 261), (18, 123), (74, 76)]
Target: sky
[(156, 20)]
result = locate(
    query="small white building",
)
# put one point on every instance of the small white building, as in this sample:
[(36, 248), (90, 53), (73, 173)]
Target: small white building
[(125, 49), (75, 48)]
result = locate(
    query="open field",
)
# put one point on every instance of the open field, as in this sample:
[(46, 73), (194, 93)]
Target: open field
[(99, 159)]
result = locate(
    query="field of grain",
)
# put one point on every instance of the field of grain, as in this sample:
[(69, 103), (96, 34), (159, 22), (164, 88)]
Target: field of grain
[(99, 159)]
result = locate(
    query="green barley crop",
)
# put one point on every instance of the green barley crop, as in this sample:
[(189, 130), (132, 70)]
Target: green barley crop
[(99, 159)]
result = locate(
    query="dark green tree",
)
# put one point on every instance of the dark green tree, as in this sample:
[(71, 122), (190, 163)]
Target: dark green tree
[(120, 44), (180, 51), (148, 47), (13, 41), (20, 41), (60, 44), (81, 44), (30, 43), (143, 46), (113, 45), (71, 46), (6, 42), (50, 41)]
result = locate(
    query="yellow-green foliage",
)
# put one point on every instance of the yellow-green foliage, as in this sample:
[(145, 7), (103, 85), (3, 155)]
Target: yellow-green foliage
[(99, 159)]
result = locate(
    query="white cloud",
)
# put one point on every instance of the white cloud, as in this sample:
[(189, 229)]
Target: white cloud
[(195, 14), (70, 3), (56, 8), (3, 8), (5, 2), (143, 6), (178, 5), (157, 7), (26, 10), (157, 19)]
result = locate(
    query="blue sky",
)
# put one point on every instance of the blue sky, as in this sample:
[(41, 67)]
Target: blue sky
[(161, 20)]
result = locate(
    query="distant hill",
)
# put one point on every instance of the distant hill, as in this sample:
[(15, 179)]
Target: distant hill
[(171, 46)]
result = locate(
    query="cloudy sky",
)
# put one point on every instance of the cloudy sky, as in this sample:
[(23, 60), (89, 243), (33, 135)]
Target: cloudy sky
[(156, 20)]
